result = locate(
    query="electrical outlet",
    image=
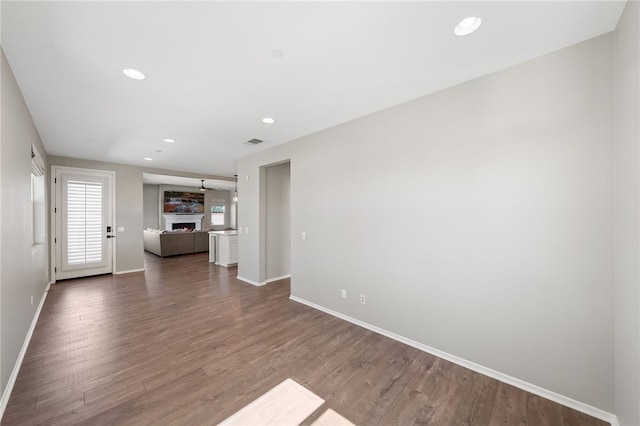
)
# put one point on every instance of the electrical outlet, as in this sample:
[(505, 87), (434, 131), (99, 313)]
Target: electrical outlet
[(363, 299), (304, 235), (344, 293), (31, 300)]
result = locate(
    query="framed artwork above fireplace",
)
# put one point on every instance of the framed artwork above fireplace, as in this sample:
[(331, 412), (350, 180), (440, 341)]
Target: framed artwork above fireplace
[(183, 202)]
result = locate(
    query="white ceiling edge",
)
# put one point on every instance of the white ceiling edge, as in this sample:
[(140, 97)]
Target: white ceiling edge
[(212, 184)]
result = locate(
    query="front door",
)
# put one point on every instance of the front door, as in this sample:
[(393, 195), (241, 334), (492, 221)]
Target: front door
[(84, 233)]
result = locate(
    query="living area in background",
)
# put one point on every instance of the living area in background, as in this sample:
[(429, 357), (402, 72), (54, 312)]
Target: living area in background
[(179, 212)]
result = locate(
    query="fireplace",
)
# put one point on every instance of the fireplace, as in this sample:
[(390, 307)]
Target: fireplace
[(192, 221), (184, 225)]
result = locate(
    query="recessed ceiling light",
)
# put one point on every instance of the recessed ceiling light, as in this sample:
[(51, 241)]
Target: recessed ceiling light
[(467, 26), (168, 140), (268, 120), (134, 74), (277, 53), (148, 159)]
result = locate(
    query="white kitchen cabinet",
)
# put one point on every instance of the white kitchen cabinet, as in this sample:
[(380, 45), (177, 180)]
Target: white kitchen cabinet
[(225, 244)]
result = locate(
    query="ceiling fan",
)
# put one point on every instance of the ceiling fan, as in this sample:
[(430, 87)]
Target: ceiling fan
[(204, 188)]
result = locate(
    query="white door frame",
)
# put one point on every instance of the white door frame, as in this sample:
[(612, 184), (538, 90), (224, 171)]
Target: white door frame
[(52, 215)]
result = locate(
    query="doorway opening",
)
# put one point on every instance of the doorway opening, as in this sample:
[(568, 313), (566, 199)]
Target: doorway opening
[(275, 207)]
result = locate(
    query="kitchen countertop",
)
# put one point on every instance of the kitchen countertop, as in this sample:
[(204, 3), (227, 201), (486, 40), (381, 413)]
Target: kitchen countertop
[(233, 232)]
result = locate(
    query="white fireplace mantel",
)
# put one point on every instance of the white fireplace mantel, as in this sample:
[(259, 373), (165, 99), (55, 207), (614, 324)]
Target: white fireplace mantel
[(171, 218)]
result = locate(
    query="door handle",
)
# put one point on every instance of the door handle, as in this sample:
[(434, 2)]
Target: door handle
[(111, 236)]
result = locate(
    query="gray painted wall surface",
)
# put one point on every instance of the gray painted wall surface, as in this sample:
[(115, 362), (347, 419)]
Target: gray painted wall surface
[(150, 208), (129, 201), (277, 221), (503, 251), (627, 184), (24, 269)]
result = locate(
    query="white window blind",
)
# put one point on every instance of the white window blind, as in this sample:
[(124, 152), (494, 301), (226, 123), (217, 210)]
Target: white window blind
[(84, 222)]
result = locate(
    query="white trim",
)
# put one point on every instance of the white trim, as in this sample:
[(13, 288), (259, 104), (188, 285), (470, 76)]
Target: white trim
[(229, 265), (52, 226), (521, 384), (16, 368), (247, 280), (130, 271), (270, 280)]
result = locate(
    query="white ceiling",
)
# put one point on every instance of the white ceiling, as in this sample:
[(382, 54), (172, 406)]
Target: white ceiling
[(215, 184), (211, 77)]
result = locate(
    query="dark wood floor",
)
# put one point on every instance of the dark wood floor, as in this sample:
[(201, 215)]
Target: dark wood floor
[(186, 343)]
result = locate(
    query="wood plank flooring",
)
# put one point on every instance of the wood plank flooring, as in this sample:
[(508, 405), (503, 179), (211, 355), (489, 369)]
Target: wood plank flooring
[(185, 343), (289, 403)]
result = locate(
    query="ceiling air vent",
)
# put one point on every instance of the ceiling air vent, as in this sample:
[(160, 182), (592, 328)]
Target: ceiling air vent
[(253, 141)]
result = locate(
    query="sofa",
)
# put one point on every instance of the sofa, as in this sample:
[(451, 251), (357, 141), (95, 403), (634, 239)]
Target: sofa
[(173, 243)]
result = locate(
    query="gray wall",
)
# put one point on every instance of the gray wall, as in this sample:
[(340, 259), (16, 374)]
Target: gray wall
[(24, 270), (627, 184), (277, 221), (129, 196), (150, 209), (503, 251)]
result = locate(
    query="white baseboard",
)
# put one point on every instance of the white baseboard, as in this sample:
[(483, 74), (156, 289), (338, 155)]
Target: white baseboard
[(129, 271), (270, 280), (258, 284), (529, 387), (247, 280), (16, 367)]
